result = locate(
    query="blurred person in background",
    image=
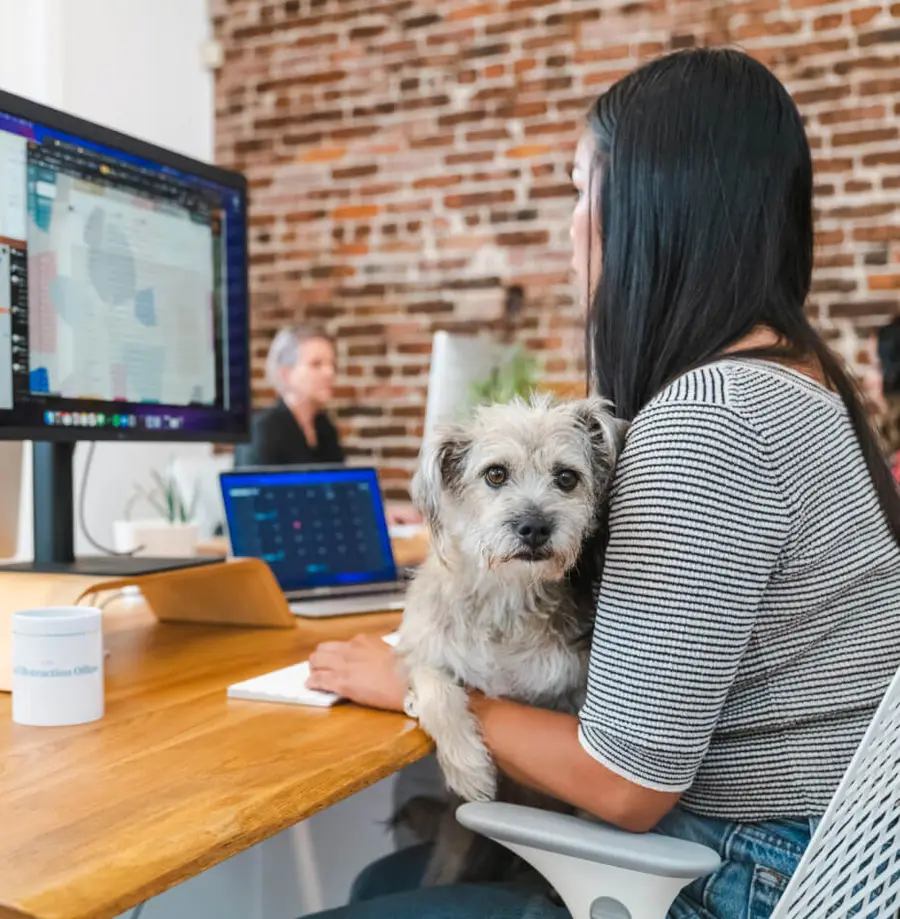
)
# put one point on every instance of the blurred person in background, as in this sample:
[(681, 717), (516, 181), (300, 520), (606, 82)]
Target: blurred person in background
[(297, 431)]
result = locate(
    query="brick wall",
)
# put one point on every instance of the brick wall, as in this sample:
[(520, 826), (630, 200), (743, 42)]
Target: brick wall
[(409, 169)]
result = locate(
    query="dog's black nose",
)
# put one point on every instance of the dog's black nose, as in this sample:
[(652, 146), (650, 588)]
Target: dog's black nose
[(534, 530)]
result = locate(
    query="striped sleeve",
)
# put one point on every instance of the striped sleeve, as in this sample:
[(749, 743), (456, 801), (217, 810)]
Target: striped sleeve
[(697, 523)]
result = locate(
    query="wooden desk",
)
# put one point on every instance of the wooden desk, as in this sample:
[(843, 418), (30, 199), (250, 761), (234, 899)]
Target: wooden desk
[(176, 777)]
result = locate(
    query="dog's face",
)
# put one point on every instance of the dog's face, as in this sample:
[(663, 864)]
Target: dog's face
[(517, 488)]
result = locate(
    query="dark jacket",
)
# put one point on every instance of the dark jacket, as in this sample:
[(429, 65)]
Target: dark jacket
[(277, 440)]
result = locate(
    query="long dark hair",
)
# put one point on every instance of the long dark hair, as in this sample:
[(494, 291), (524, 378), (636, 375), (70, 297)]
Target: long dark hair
[(703, 186)]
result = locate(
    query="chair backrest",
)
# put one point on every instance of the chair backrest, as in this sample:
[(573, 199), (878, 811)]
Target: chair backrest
[(852, 864)]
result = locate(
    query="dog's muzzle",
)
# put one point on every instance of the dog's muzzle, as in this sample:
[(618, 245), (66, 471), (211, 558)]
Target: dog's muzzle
[(533, 532)]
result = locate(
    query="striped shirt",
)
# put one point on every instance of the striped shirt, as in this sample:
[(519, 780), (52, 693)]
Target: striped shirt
[(748, 617)]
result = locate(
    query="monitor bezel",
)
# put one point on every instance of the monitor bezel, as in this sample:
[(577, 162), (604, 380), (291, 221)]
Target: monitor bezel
[(20, 107)]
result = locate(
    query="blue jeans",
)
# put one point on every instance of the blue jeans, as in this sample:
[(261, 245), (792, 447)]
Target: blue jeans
[(757, 862)]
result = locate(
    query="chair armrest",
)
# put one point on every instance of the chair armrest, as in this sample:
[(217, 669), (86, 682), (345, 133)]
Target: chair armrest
[(647, 853)]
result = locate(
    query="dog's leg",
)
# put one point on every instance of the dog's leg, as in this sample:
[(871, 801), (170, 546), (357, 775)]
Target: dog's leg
[(444, 714), (452, 846)]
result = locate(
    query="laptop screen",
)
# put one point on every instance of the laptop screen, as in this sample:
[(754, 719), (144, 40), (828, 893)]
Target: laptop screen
[(314, 527)]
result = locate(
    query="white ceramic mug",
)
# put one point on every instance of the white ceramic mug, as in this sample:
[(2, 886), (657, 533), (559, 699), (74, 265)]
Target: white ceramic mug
[(57, 664)]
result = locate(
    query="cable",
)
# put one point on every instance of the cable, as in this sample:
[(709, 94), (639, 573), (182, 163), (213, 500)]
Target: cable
[(82, 520)]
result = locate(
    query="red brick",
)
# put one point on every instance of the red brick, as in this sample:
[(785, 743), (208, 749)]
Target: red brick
[(822, 94), (522, 110), (471, 12), (530, 238), (458, 37), (856, 138), (863, 308), (868, 62), (595, 55), (551, 191), (441, 181), (528, 151), (323, 155), (354, 172), (883, 158), (863, 113), (836, 164), (884, 282), (477, 156), (858, 211), (356, 212), (828, 22), (432, 140), (859, 17), (488, 135), (479, 198), (877, 234), (884, 36)]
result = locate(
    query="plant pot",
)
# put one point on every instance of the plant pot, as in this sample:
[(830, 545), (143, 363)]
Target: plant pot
[(155, 537)]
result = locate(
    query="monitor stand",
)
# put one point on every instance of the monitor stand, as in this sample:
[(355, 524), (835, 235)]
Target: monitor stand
[(54, 526)]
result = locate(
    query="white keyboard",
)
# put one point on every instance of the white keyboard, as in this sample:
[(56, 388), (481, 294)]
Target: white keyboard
[(288, 685)]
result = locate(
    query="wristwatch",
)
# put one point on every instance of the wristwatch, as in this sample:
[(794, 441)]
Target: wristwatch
[(410, 707)]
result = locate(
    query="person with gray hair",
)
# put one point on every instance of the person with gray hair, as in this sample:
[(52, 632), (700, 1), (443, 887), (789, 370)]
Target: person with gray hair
[(296, 430)]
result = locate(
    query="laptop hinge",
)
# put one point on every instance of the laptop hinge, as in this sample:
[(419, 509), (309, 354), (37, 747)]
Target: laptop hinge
[(344, 590)]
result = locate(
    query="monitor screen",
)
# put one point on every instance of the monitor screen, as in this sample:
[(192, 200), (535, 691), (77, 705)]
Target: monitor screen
[(123, 286), (314, 527)]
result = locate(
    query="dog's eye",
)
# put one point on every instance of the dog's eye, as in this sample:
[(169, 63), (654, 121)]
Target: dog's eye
[(496, 476), (566, 480)]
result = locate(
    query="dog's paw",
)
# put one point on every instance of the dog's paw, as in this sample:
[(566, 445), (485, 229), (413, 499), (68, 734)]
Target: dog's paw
[(469, 772)]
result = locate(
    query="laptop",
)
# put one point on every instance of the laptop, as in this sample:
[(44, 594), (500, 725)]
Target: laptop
[(322, 531)]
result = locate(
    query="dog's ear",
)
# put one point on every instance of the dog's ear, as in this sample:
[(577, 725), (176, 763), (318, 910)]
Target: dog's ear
[(440, 467), (606, 433)]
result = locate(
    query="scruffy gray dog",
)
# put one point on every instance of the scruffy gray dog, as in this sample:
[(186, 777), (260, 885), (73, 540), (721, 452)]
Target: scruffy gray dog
[(510, 498)]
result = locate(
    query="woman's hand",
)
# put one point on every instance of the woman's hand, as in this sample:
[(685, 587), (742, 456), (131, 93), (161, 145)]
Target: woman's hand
[(365, 670)]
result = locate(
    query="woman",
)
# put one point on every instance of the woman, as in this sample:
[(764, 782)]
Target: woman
[(296, 430), (747, 617)]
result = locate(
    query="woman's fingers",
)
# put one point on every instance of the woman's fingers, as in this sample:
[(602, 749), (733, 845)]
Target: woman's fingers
[(363, 670)]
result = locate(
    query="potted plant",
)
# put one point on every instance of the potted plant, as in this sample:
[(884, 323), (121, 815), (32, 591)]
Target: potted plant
[(171, 534), (518, 377)]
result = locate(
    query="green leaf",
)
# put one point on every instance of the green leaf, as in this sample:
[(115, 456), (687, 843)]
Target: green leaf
[(517, 378)]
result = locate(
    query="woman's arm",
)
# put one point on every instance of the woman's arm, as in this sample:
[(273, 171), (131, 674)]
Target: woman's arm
[(559, 766), (365, 670)]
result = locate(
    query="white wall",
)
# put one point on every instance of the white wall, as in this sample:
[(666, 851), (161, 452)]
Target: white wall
[(132, 65)]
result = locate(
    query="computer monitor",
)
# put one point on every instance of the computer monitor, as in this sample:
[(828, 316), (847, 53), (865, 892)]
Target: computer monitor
[(123, 302), (458, 363)]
